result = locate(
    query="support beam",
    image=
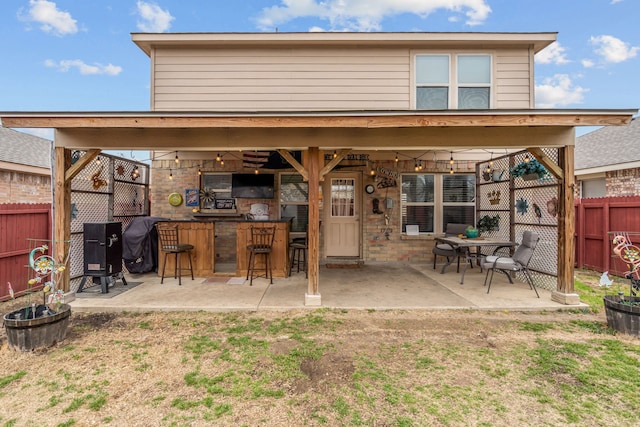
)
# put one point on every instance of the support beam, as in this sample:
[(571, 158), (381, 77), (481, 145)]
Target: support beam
[(80, 164), (565, 293), (62, 213), (312, 296), (547, 162), (293, 162), (333, 163)]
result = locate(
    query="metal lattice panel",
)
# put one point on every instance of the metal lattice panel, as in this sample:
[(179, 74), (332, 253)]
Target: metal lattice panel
[(535, 209), (108, 189)]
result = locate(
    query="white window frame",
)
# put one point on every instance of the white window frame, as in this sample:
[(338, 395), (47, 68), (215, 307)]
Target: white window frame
[(290, 203), (453, 77), (438, 202)]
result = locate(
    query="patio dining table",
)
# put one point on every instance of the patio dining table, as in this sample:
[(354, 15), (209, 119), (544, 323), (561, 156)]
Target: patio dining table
[(463, 246)]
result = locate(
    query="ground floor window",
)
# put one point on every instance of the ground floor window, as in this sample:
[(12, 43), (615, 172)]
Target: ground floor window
[(431, 201), (294, 201)]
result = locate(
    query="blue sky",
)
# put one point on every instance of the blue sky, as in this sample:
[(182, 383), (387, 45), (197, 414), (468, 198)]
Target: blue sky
[(77, 55)]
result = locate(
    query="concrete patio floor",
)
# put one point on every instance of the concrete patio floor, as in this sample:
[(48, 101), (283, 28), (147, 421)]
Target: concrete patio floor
[(374, 286)]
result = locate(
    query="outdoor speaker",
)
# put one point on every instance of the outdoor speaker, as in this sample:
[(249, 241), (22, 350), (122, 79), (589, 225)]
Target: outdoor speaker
[(102, 248)]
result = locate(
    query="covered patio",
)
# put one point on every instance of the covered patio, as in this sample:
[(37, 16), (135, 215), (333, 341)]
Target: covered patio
[(372, 286), (338, 132)]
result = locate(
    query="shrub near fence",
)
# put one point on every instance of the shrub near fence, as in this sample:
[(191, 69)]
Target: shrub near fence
[(19, 222), (595, 218)]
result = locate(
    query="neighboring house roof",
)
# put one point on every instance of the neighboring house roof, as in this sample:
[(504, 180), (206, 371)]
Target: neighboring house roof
[(23, 149), (608, 148)]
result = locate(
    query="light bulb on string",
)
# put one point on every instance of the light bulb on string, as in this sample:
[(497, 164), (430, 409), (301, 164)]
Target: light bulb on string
[(177, 158), (415, 166), (397, 159), (199, 171), (256, 171), (335, 154), (170, 174), (98, 161), (218, 158), (451, 170), (527, 159), (451, 159), (221, 162)]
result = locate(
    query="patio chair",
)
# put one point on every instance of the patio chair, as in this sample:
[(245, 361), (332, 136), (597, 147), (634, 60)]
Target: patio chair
[(170, 244), (261, 244), (519, 261), (445, 249)]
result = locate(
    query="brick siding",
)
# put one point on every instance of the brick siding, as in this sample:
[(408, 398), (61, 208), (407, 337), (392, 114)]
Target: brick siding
[(20, 187)]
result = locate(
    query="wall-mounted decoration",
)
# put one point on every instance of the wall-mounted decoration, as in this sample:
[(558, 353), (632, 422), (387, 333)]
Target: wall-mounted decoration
[(522, 206), (489, 223), (537, 211), (207, 196), (552, 207), (97, 181), (74, 211), (387, 183), (120, 170), (225, 203), (191, 197), (494, 197), (175, 199)]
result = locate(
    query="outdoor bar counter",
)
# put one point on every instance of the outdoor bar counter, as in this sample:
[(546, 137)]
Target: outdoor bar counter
[(200, 233)]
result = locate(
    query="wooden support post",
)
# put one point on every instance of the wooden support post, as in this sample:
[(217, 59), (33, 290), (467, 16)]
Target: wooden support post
[(566, 230), (312, 297), (62, 213)]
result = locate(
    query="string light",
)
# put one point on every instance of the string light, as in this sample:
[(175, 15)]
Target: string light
[(397, 160), (420, 165), (98, 161), (218, 158), (488, 170), (451, 160), (221, 162), (199, 171), (170, 174), (335, 154), (527, 159), (451, 170), (177, 158), (415, 166)]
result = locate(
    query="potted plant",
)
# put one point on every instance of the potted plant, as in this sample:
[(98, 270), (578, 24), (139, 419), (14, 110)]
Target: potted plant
[(623, 311), (529, 171), (488, 223), (40, 325)]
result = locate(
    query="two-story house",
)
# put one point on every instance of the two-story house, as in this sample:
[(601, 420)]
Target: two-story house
[(378, 137)]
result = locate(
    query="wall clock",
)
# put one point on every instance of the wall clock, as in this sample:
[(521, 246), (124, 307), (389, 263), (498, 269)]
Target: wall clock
[(369, 189)]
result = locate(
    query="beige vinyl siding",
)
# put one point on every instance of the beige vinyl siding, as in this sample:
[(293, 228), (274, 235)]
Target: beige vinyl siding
[(513, 79), (280, 79)]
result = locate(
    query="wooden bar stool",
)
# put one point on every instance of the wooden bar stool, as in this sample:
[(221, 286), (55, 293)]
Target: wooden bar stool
[(261, 243), (170, 244)]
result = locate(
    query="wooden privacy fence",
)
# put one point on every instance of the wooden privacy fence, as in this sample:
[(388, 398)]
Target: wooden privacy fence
[(595, 219), (18, 222)]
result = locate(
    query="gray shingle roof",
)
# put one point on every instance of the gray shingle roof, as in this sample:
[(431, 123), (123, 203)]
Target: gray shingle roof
[(608, 146), (24, 149)]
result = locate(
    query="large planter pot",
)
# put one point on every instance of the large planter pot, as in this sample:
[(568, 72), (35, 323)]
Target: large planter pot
[(621, 316), (43, 331)]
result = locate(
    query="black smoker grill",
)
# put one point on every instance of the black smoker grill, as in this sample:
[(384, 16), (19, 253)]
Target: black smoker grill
[(102, 253)]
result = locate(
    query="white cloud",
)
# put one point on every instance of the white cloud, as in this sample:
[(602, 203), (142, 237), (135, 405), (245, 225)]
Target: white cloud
[(558, 91), (615, 1), (51, 19), (153, 18), (366, 15), (552, 54), (612, 49), (587, 63), (85, 69)]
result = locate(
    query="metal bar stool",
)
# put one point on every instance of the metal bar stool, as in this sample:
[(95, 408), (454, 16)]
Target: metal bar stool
[(261, 243), (170, 244)]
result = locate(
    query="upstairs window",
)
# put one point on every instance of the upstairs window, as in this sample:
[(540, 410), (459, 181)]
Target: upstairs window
[(452, 82)]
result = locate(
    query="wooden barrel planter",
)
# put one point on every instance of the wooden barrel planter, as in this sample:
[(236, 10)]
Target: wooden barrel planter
[(43, 331), (622, 316)]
